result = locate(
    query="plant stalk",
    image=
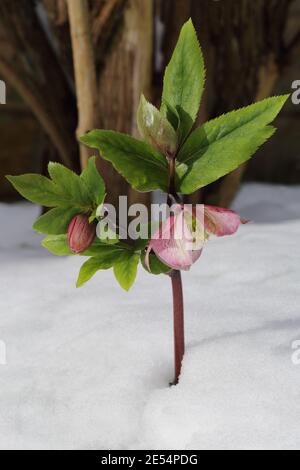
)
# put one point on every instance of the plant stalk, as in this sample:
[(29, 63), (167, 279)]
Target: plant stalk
[(178, 308), (178, 305)]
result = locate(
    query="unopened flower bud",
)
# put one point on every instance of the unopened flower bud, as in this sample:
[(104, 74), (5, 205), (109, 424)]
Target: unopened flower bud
[(81, 233)]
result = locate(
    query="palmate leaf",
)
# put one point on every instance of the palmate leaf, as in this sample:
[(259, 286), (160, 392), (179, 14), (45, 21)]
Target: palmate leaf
[(37, 189), (142, 166), (71, 185), (123, 260), (67, 193), (102, 256), (65, 189), (184, 79), (222, 145)]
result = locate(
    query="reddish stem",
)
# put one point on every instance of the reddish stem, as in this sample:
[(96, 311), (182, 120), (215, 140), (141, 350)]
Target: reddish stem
[(178, 322), (178, 305)]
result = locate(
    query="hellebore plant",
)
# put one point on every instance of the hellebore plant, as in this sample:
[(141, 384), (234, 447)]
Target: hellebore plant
[(171, 157)]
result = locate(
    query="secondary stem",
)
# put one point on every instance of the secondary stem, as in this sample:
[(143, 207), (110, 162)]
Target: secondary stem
[(178, 322), (172, 166)]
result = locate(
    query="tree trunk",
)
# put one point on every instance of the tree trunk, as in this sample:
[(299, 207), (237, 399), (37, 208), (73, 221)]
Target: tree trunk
[(125, 73), (85, 71)]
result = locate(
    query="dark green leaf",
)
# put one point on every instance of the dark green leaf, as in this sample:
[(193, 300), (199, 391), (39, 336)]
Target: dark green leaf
[(222, 145), (173, 117), (184, 79), (141, 165), (94, 182)]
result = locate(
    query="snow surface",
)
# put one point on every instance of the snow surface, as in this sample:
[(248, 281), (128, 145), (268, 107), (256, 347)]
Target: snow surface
[(89, 368)]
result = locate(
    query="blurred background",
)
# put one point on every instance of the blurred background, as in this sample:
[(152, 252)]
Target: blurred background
[(73, 65)]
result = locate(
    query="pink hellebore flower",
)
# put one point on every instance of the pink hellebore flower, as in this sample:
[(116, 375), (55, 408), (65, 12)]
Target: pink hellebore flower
[(179, 241)]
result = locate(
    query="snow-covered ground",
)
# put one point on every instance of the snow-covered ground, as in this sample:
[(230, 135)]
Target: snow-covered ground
[(90, 368)]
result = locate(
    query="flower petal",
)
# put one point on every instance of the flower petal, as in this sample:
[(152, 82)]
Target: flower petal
[(173, 243), (220, 222)]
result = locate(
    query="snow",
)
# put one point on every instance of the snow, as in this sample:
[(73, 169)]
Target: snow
[(89, 368)]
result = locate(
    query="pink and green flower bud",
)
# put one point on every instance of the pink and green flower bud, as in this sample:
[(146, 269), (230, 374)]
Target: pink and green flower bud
[(81, 233)]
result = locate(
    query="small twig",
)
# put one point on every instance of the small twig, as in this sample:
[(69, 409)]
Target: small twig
[(101, 20)]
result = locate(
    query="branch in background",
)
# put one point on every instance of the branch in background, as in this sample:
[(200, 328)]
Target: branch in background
[(29, 63), (38, 110), (85, 70), (57, 13), (107, 17), (293, 50)]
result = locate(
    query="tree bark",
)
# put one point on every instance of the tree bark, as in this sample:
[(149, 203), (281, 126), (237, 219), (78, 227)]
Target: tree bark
[(125, 73)]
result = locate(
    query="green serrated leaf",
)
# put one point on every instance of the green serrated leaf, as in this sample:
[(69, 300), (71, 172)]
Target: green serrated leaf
[(184, 79), (155, 128), (71, 185), (92, 266), (94, 182), (56, 221), (173, 118), (141, 165), (104, 257), (222, 145), (57, 245), (125, 269), (37, 189), (99, 246)]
